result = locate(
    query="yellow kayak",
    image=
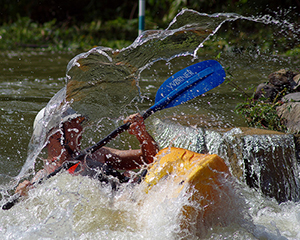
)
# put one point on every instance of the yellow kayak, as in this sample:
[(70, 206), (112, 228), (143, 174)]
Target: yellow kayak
[(202, 176)]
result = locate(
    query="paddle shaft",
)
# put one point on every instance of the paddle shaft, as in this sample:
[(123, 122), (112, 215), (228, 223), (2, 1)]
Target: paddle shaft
[(109, 137)]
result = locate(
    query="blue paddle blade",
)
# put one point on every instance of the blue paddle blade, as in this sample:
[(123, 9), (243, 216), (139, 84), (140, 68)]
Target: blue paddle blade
[(189, 83)]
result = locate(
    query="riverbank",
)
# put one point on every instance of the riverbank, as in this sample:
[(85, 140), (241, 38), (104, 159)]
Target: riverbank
[(54, 36), (239, 36)]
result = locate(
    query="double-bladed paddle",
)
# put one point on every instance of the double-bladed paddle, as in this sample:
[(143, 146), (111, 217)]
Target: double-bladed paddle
[(181, 87)]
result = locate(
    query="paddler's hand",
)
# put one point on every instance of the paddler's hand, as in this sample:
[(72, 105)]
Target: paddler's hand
[(23, 188), (137, 126), (148, 146)]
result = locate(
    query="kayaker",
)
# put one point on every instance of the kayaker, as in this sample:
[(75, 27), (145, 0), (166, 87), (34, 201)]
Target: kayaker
[(64, 143)]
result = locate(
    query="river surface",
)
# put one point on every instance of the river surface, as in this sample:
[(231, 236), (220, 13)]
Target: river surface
[(69, 207)]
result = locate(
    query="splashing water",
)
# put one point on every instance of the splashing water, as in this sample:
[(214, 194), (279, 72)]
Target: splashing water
[(77, 207), (94, 76), (104, 84)]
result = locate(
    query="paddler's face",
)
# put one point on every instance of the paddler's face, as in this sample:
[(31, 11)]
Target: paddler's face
[(72, 133), (71, 137)]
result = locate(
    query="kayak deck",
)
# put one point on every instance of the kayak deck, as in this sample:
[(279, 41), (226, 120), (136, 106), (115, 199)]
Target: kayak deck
[(201, 176)]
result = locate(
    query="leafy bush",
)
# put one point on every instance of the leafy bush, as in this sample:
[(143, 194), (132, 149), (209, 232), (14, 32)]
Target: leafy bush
[(25, 33), (261, 114)]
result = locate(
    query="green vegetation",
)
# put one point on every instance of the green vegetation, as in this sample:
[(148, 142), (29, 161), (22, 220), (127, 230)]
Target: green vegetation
[(261, 114), (80, 25), (24, 33)]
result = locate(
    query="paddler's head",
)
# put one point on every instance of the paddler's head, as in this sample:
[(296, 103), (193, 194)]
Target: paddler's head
[(65, 137)]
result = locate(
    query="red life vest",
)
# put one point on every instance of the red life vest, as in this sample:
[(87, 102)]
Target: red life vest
[(72, 169)]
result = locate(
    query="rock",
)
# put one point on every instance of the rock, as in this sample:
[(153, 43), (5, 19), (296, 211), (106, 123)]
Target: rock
[(297, 82), (282, 79), (265, 90), (263, 159), (271, 166), (278, 78), (289, 112), (297, 147), (291, 97), (278, 81)]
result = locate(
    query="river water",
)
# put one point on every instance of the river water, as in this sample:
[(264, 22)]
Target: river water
[(69, 207)]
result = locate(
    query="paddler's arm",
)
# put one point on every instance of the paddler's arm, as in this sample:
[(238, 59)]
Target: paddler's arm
[(133, 159), (24, 186), (121, 159), (149, 147)]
